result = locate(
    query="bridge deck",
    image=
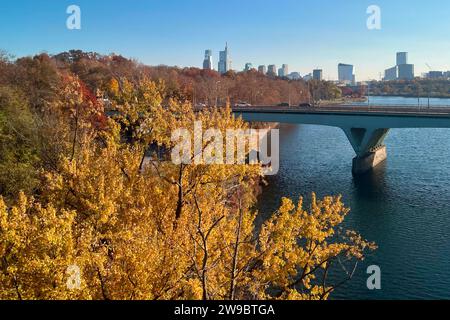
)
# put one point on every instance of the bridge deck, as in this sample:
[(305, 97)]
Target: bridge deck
[(352, 110), (365, 127)]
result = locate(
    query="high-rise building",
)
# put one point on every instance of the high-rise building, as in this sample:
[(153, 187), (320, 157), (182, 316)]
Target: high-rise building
[(317, 74), (272, 70), (345, 72), (248, 66), (435, 75), (391, 74), (405, 71), (402, 70), (283, 71), (262, 69), (208, 62), (224, 61), (402, 58), (280, 72)]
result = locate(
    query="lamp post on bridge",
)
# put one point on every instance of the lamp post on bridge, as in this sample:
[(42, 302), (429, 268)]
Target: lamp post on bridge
[(418, 96), (289, 88), (309, 92), (429, 85)]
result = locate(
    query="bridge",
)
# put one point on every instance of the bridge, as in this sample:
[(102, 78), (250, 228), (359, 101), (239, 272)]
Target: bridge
[(365, 126)]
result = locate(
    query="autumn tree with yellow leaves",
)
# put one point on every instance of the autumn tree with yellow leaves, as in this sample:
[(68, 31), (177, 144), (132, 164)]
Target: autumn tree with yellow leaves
[(140, 227)]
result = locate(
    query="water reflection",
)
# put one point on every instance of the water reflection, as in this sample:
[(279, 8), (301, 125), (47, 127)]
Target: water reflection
[(372, 185), (403, 204)]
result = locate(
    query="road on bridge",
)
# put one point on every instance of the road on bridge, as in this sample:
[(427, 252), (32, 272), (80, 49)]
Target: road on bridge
[(365, 127), (351, 109)]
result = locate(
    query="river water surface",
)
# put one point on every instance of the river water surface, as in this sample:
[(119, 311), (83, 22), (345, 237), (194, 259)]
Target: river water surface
[(403, 205)]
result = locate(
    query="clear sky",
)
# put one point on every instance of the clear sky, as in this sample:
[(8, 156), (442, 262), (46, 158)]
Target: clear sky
[(302, 33)]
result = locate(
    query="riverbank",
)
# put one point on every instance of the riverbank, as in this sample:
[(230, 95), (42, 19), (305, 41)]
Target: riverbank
[(342, 101), (434, 96), (407, 101)]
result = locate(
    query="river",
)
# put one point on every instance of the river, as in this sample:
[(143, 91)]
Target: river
[(403, 205)]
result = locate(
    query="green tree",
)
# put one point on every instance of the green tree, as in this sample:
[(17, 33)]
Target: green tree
[(18, 151)]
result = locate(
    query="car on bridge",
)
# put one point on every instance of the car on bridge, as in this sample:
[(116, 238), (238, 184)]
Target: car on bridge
[(283, 104), (305, 105), (242, 104)]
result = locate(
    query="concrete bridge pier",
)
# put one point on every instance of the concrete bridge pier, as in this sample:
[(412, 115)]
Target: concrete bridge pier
[(364, 128), (369, 148), (366, 163)]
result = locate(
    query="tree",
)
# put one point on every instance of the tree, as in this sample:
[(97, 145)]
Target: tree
[(36, 247), (138, 226), (18, 145), (299, 247)]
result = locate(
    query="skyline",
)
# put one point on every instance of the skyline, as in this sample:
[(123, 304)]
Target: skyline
[(272, 32)]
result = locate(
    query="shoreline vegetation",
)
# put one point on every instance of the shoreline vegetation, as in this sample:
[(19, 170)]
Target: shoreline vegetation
[(435, 88), (83, 216), (435, 96)]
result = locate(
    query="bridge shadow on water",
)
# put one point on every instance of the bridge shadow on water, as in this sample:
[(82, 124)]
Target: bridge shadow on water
[(372, 185)]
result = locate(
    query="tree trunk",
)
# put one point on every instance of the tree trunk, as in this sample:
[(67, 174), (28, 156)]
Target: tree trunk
[(236, 255)]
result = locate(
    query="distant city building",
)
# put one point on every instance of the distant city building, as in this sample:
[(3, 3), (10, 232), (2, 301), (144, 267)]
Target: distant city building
[(345, 73), (272, 70), (262, 69), (318, 74), (280, 72), (447, 74), (308, 77), (283, 71), (208, 61), (435, 75), (406, 71), (294, 76), (224, 61), (391, 74), (248, 66), (402, 58), (402, 70)]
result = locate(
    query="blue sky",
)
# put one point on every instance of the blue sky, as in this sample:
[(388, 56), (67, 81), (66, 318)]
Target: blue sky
[(303, 34)]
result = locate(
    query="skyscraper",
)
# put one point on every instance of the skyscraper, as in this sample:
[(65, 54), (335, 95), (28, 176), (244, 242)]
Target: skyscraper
[(248, 66), (402, 70), (406, 71), (224, 61), (317, 74), (391, 74), (262, 69), (402, 58), (345, 72), (208, 62), (280, 72), (283, 71), (272, 70)]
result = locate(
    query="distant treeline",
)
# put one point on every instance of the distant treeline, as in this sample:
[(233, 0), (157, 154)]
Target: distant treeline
[(415, 88), (208, 87)]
